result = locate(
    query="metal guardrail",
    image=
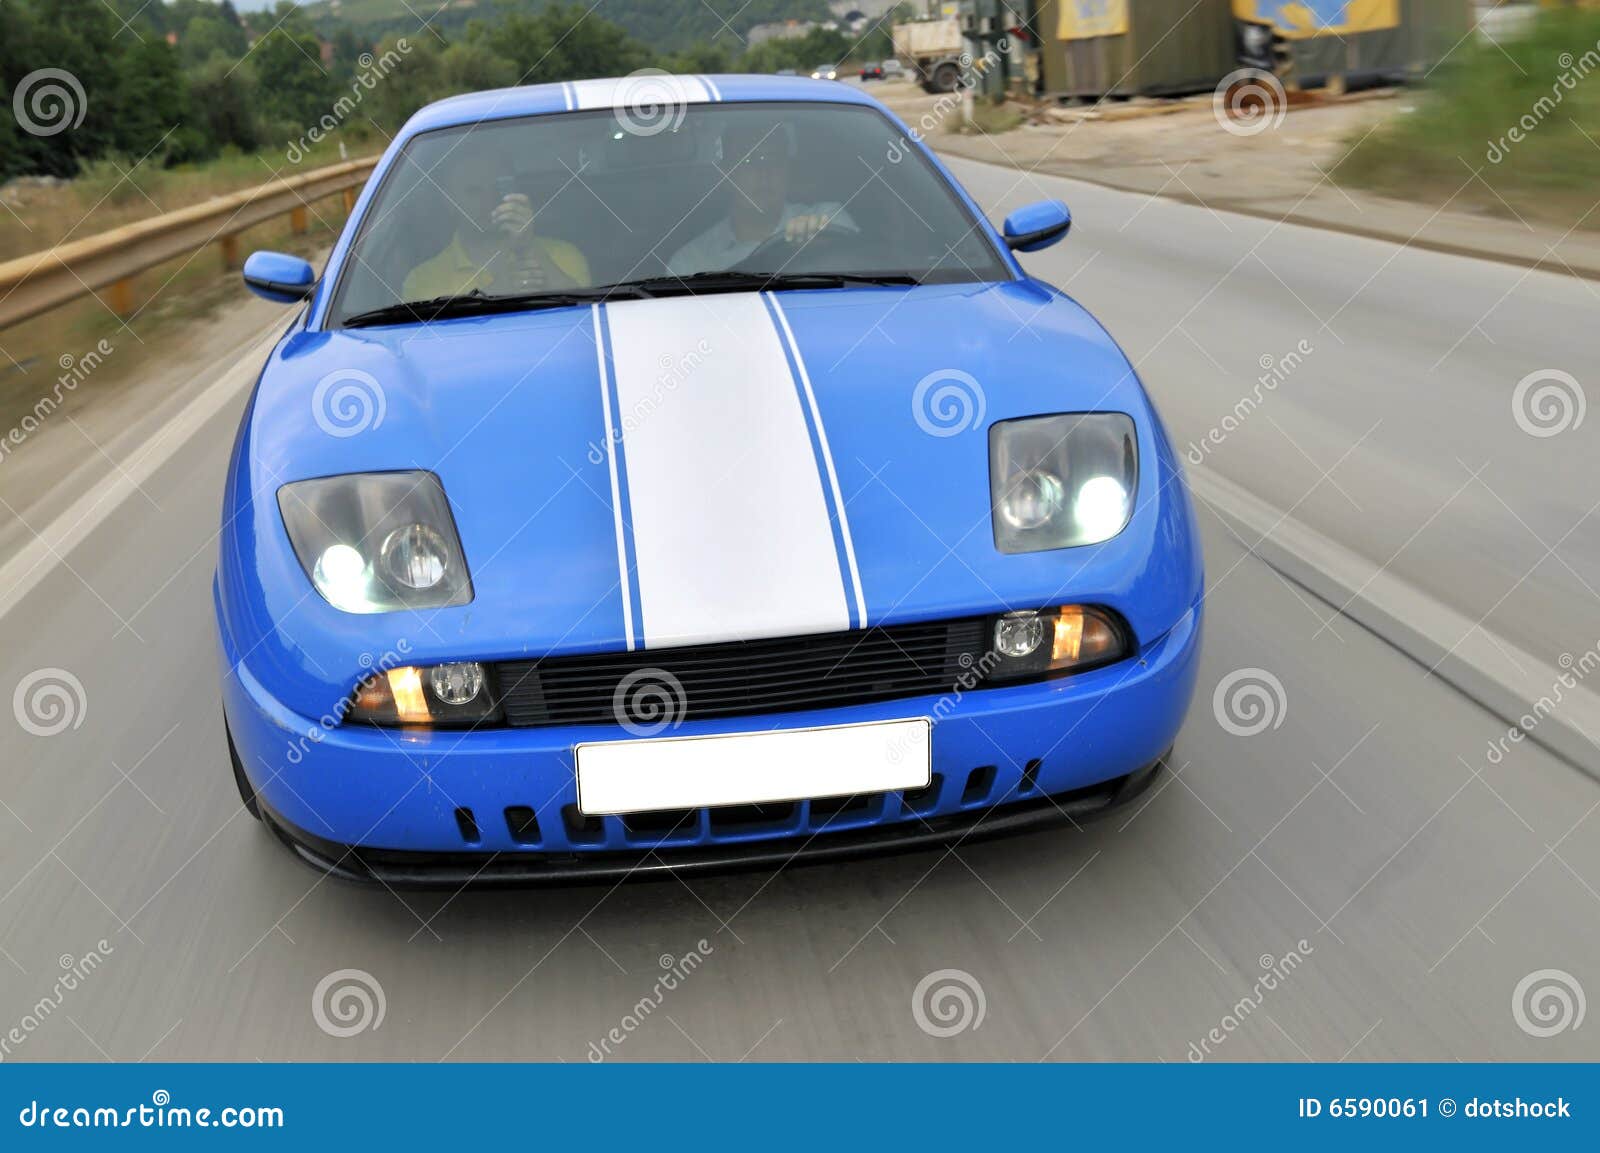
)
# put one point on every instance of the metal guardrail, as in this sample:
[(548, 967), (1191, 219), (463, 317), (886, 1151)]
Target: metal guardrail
[(40, 281)]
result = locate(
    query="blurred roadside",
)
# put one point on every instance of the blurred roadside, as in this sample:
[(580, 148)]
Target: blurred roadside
[(1494, 153)]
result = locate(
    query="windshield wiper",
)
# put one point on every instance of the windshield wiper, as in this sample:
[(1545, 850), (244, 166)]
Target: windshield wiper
[(480, 303), (737, 280)]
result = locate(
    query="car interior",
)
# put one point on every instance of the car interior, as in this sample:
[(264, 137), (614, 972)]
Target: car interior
[(630, 200)]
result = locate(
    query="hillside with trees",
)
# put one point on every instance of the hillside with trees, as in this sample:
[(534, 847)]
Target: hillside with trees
[(186, 81), (668, 25)]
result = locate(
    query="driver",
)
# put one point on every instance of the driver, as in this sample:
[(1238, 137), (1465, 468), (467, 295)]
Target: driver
[(760, 208), (495, 246)]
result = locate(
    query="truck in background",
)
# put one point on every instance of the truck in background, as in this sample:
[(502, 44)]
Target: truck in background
[(931, 50)]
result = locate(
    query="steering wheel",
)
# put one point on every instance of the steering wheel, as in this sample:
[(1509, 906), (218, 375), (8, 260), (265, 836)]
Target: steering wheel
[(834, 238)]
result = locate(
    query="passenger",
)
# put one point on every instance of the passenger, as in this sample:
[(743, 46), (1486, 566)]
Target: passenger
[(757, 158)]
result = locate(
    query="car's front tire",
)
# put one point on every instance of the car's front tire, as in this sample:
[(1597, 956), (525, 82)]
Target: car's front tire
[(247, 792)]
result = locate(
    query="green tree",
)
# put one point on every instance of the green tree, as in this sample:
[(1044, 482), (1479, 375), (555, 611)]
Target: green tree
[(222, 100), (70, 117), (563, 42), (802, 53), (207, 34), (417, 80), (11, 158), (714, 56), (296, 89), (472, 66), (151, 101)]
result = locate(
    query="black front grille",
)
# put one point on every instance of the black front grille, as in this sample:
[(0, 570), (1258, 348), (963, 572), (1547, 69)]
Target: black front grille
[(741, 677)]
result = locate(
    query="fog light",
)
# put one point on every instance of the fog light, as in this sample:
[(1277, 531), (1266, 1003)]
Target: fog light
[(1079, 637), (457, 684), (415, 556), (458, 694), (1018, 634)]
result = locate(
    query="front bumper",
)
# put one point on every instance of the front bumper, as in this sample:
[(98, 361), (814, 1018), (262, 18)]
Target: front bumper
[(1003, 758), (407, 869)]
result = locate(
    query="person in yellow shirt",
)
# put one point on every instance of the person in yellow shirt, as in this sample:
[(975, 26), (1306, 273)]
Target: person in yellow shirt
[(494, 246)]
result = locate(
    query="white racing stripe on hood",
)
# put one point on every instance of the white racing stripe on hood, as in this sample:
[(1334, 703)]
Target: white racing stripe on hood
[(652, 95), (731, 531)]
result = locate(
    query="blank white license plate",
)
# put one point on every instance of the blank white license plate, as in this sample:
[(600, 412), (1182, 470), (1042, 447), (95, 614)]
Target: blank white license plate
[(750, 768)]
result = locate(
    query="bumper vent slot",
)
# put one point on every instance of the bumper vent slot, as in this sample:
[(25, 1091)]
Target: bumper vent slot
[(662, 824), (582, 830), (523, 825), (825, 810), (926, 798), (1030, 776), (980, 782)]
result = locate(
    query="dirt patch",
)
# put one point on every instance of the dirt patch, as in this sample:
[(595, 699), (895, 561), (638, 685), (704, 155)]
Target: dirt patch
[(1152, 144)]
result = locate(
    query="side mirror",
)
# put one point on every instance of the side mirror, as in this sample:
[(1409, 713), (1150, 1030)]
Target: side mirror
[(279, 277), (1037, 226)]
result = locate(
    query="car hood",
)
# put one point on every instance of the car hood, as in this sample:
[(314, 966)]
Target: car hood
[(777, 464)]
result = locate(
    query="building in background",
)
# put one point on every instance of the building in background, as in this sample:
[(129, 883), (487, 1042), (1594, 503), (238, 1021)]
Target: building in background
[(1097, 48)]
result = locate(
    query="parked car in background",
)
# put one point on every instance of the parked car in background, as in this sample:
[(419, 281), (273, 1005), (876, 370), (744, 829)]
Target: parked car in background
[(892, 69)]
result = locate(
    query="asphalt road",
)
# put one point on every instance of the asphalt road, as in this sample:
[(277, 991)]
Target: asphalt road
[(1398, 881)]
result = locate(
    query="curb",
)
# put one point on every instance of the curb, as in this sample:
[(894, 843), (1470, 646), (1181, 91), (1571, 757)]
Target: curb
[(1546, 262), (1531, 697)]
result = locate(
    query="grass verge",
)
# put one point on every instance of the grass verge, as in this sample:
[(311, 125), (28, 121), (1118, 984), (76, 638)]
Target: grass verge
[(1512, 129)]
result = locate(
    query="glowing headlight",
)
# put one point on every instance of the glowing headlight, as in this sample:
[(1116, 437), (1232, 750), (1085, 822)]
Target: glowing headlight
[(378, 541), (1059, 481)]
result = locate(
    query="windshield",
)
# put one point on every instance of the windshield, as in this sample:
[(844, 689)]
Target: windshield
[(588, 200)]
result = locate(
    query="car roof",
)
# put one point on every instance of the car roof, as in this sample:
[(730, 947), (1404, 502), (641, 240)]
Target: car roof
[(644, 90)]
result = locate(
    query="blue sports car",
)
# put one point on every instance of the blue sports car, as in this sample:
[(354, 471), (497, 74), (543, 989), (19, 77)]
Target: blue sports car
[(674, 472)]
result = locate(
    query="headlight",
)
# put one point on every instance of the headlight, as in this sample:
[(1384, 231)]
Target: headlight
[(1072, 638), (453, 694), (1059, 481), (378, 541)]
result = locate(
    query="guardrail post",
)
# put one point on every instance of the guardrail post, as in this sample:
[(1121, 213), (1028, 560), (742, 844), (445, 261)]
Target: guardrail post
[(297, 219), (349, 201), (230, 252), (120, 297)]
